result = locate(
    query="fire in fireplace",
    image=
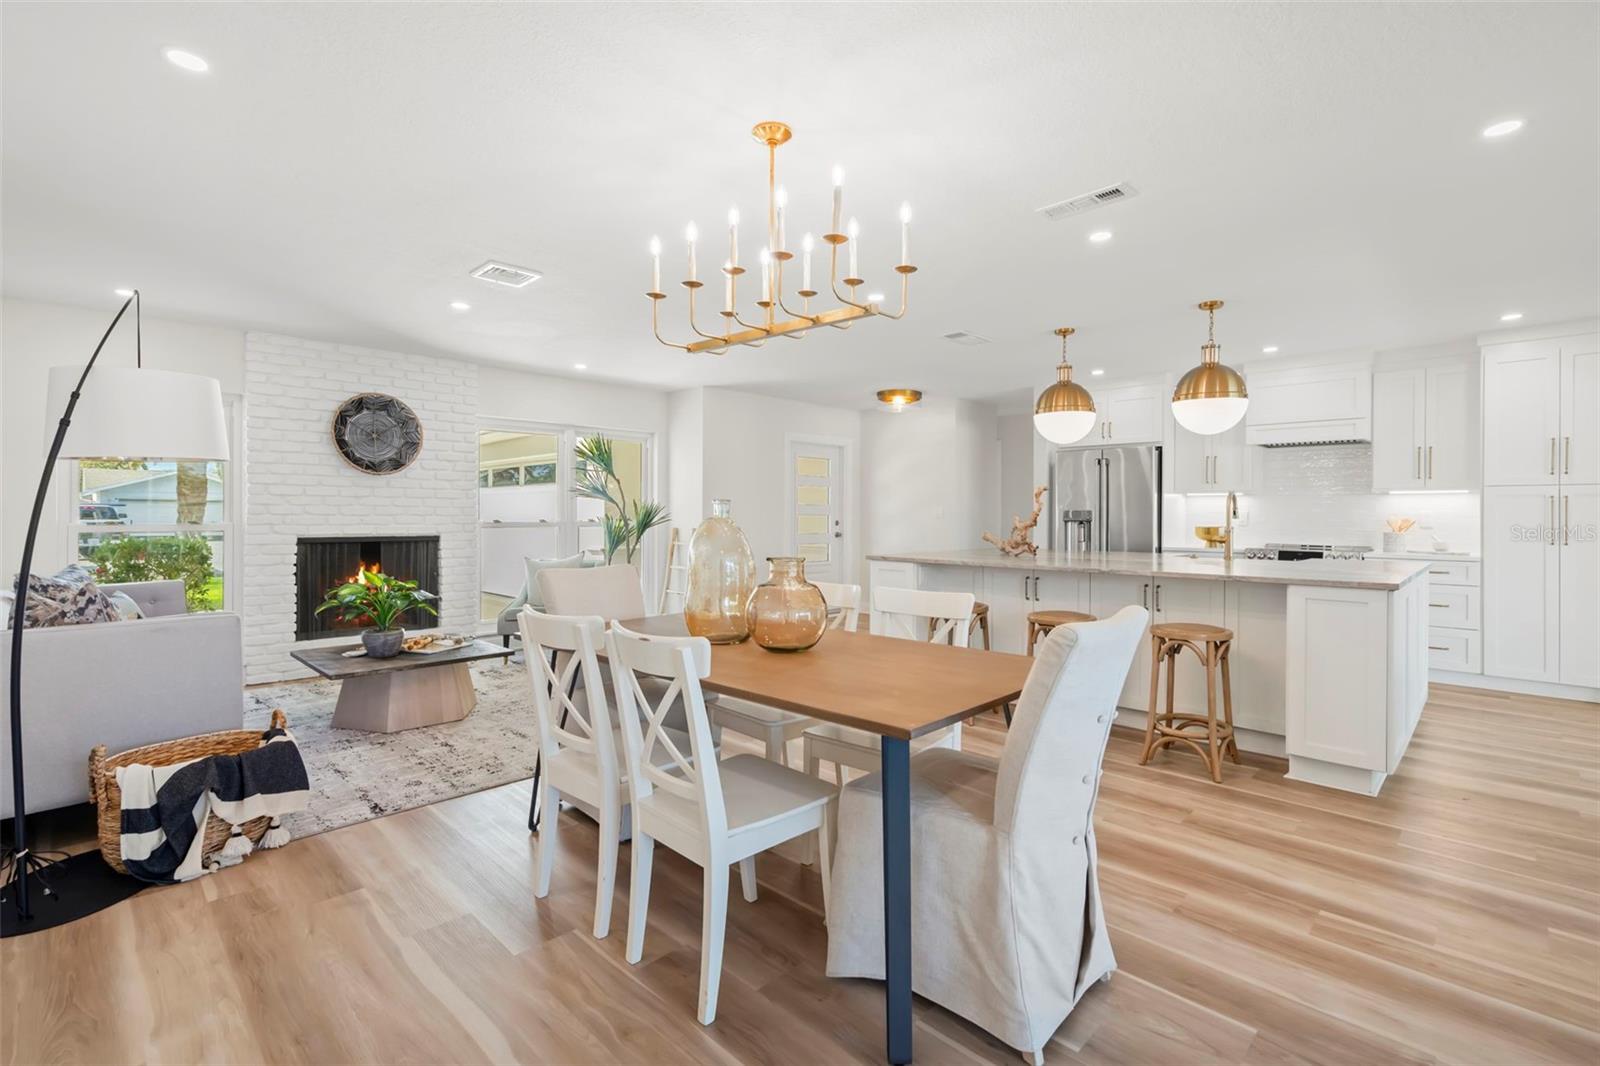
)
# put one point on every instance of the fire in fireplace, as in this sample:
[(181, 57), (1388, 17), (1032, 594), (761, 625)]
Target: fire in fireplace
[(321, 563)]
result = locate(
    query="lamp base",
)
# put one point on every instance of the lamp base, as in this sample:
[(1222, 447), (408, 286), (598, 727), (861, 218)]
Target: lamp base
[(60, 890)]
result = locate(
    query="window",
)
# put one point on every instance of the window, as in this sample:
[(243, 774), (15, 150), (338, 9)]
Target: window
[(526, 508)]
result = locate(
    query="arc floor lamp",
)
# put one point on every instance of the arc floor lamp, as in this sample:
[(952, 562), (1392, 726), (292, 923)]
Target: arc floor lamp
[(133, 412)]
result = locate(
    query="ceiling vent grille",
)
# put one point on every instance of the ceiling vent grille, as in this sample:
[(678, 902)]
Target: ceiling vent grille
[(512, 277), (961, 336), (1077, 205)]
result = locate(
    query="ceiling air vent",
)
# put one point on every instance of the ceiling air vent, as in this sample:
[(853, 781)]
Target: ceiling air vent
[(1077, 205), (513, 277), (961, 336)]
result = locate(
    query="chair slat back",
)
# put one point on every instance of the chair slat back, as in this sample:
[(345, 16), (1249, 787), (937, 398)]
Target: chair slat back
[(846, 600), (558, 650), (920, 614), (691, 775)]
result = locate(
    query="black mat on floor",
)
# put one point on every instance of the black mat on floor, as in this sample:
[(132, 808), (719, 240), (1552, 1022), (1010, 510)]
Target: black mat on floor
[(78, 886)]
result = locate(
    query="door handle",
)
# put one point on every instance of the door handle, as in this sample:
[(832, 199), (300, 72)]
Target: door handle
[(1566, 527), (1430, 462)]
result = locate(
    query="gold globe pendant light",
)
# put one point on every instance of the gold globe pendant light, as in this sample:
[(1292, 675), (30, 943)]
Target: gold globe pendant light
[(1065, 411), (1210, 398)]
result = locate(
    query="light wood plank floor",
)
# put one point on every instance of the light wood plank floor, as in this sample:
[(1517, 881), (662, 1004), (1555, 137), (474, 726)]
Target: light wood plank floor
[(1454, 919)]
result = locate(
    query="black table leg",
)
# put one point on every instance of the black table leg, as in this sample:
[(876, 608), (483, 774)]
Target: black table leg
[(896, 757)]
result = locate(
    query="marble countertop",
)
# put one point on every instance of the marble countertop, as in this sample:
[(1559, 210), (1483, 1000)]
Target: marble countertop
[(1382, 574)]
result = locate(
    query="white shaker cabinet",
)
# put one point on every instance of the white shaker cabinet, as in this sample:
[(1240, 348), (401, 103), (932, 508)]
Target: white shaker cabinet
[(1521, 412), (1579, 552), (1521, 583), (1579, 447), (1217, 463), (1424, 428), (1131, 414)]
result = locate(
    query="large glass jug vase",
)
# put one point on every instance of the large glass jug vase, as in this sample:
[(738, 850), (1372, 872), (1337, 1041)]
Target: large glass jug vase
[(722, 574)]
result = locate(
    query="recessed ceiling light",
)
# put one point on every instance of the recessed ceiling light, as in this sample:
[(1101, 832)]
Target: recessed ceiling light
[(1269, 349), (460, 305), (124, 293), (188, 61), (874, 297), (1500, 129), (580, 366), (1097, 371), (1511, 316), (1100, 236)]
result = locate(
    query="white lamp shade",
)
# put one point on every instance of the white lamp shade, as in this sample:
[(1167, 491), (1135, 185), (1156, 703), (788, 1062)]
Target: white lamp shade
[(1064, 427), (1211, 415), (131, 413)]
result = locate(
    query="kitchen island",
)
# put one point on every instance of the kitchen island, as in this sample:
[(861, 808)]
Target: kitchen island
[(1330, 657)]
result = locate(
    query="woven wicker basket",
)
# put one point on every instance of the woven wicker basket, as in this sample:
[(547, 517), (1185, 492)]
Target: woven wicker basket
[(104, 793)]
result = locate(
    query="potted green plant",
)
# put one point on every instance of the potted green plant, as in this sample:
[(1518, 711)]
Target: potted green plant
[(625, 523), (378, 600)]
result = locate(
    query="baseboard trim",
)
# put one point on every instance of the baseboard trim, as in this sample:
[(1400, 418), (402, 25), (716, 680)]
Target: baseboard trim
[(1515, 685)]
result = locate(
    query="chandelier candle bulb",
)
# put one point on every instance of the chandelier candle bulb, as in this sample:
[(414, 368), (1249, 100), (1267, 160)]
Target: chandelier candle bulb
[(853, 232), (655, 257), (766, 276), (806, 244), (838, 197), (905, 234), (733, 237), (782, 199), (727, 286), (692, 234)]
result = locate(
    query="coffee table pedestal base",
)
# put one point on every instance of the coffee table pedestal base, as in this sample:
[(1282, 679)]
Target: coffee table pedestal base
[(405, 699)]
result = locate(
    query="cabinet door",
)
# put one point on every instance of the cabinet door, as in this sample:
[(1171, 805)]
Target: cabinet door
[(1230, 461), (1580, 585), (1450, 458), (1131, 415), (1255, 611), (1009, 594), (1580, 411), (1521, 584), (1189, 601), (1191, 469), (1521, 416), (1108, 594), (1399, 406)]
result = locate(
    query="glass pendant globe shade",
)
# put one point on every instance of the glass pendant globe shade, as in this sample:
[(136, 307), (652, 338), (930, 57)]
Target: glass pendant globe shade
[(1064, 427), (1211, 416)]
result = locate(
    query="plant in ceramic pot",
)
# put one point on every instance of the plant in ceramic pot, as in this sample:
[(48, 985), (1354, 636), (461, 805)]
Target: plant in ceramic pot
[(376, 599)]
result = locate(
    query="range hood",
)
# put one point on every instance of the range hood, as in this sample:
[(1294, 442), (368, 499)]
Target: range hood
[(1328, 404)]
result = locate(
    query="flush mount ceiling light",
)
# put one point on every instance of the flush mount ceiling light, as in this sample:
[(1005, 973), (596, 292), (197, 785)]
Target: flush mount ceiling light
[(460, 305), (775, 319), (895, 401), (1100, 236), (1065, 410), (186, 61), (1500, 129), (1511, 316), (1210, 398)]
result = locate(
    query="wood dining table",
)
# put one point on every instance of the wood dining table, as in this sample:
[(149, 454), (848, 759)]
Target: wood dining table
[(898, 689)]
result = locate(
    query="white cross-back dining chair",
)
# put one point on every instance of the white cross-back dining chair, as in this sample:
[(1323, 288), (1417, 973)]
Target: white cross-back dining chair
[(712, 813), (844, 604), (909, 614)]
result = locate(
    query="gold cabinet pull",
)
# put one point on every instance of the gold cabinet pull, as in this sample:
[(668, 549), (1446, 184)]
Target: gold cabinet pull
[(1430, 462), (1566, 526), (1566, 455), (1552, 456), (1416, 465), (1552, 520), (1435, 647)]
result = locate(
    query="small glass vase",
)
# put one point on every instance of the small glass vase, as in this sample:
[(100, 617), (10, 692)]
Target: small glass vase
[(722, 574), (787, 613)]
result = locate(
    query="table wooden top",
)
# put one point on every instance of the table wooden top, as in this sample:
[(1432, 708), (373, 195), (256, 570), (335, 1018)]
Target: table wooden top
[(330, 661), (884, 685)]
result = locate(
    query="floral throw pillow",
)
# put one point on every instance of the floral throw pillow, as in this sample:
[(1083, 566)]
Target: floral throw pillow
[(68, 598)]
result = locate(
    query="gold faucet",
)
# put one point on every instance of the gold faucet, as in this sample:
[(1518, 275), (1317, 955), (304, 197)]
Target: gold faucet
[(1230, 512)]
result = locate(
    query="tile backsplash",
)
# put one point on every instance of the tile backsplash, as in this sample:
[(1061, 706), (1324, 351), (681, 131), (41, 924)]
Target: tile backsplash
[(1323, 494)]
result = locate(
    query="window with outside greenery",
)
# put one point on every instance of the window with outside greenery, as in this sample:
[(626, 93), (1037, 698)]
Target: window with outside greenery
[(154, 519)]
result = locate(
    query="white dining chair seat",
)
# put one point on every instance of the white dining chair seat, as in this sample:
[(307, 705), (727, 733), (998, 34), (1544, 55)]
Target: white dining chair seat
[(772, 726), (756, 791), (572, 765)]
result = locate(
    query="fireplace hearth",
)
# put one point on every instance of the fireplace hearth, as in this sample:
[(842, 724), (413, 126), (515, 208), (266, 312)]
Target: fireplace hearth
[(323, 562)]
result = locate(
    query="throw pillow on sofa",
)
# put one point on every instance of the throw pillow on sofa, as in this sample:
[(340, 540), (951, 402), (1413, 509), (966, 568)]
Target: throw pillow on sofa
[(535, 600), (68, 598), (125, 606)]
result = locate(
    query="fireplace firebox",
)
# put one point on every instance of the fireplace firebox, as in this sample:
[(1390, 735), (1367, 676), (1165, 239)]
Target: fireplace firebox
[(324, 562)]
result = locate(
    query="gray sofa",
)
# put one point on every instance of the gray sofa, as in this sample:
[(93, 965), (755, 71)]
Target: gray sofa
[(122, 684)]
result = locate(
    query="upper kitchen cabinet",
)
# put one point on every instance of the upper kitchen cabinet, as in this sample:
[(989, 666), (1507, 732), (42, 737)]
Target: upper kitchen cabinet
[(1217, 463), (1541, 401), (1424, 427), (1310, 404), (1130, 414)]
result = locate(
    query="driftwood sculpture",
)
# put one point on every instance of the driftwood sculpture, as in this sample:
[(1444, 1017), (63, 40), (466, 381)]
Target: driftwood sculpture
[(1021, 540)]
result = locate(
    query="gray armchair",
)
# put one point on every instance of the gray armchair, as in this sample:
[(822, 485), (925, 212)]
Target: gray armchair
[(506, 622)]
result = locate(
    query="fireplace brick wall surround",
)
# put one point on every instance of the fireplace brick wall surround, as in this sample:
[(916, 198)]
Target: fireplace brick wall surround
[(299, 486)]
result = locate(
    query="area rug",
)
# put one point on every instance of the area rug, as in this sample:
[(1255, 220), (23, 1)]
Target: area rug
[(357, 776)]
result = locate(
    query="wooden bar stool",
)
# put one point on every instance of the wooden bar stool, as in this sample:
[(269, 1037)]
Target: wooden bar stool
[(980, 622), (1203, 733), (1040, 623)]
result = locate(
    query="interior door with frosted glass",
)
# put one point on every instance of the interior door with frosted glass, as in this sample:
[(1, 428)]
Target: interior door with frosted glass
[(817, 531)]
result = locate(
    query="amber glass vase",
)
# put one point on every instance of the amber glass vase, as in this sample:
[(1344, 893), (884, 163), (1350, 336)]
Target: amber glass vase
[(787, 613), (722, 574)]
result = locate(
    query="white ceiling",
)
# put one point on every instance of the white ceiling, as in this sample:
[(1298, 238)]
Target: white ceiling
[(342, 167)]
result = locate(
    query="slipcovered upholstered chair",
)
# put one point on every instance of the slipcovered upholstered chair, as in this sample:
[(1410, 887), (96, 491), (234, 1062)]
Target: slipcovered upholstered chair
[(531, 596), (1008, 930)]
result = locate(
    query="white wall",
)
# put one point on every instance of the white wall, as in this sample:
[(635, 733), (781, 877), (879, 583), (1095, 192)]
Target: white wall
[(35, 337), (686, 459), (931, 476)]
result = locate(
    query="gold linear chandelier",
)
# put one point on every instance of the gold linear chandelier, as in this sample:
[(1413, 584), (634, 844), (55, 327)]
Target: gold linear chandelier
[(776, 319)]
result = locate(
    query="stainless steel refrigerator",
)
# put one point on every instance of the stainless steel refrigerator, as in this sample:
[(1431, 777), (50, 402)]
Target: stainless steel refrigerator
[(1107, 499)]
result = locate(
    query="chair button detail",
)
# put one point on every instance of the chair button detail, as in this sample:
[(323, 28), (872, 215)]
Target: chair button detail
[(1086, 779), (1076, 838), (1208, 736)]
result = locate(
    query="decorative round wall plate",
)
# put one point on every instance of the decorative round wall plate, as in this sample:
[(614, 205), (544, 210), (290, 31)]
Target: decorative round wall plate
[(377, 434)]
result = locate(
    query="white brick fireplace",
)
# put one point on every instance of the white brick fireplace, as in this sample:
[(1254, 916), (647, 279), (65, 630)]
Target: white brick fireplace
[(299, 485)]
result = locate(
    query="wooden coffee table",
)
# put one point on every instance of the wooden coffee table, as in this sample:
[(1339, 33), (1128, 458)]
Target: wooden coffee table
[(405, 692)]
